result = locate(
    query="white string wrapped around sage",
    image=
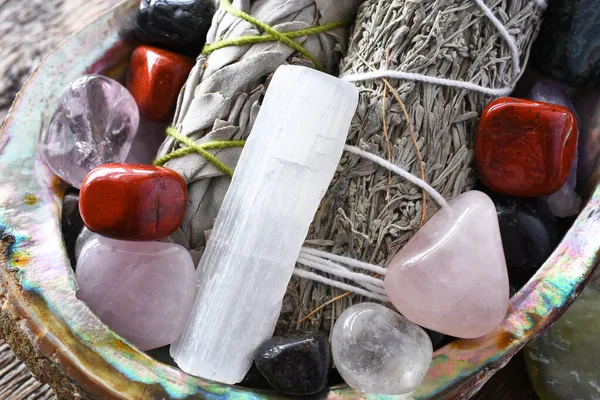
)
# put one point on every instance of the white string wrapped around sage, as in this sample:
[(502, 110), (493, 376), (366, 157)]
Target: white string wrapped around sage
[(368, 214), (223, 94)]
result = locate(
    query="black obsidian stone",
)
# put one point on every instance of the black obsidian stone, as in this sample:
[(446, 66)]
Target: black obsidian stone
[(296, 364), (71, 223), (335, 378), (529, 235), (162, 354), (255, 380), (438, 340), (568, 46), (179, 25)]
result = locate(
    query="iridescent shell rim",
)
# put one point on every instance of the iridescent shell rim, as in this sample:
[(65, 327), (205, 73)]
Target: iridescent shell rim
[(40, 286)]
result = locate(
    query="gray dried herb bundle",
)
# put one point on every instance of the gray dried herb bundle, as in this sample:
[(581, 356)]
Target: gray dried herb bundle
[(223, 94), (367, 214)]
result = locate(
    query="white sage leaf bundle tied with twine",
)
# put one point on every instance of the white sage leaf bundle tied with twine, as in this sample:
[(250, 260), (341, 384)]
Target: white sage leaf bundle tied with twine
[(369, 214), (222, 96)]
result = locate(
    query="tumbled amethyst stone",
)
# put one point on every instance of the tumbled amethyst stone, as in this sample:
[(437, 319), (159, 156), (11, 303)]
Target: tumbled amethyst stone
[(95, 123), (147, 142), (144, 291), (548, 91), (565, 202)]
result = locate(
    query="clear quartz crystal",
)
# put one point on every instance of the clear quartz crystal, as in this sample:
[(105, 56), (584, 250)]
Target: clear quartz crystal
[(283, 173), (94, 123), (377, 350)]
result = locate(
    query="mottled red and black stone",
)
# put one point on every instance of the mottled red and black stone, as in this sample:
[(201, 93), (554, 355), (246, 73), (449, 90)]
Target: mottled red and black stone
[(133, 202), (525, 148), (154, 78)]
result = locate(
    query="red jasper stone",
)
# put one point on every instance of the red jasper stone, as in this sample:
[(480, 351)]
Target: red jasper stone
[(133, 202), (525, 148), (155, 78)]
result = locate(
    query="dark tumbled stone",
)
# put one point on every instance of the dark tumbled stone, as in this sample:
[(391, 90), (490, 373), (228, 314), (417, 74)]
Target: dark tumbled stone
[(255, 380), (162, 354), (438, 340), (529, 235), (71, 223), (335, 378), (568, 46), (296, 364), (179, 25)]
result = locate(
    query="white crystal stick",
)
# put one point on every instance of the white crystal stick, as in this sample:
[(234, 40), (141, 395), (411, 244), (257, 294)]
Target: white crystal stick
[(283, 173)]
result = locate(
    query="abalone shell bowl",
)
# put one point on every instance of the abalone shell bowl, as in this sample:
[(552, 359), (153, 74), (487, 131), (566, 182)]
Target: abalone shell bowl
[(68, 347)]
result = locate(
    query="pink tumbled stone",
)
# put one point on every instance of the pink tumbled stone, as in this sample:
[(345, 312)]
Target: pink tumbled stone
[(144, 291), (451, 276)]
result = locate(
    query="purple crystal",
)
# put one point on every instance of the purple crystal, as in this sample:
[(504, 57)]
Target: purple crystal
[(147, 142), (95, 123), (588, 107), (548, 91), (144, 291), (565, 202)]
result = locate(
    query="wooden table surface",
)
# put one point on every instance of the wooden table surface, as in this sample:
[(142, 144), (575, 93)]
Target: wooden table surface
[(28, 30)]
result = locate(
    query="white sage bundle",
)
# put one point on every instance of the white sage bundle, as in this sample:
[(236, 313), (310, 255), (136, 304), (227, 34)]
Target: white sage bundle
[(368, 214), (223, 94)]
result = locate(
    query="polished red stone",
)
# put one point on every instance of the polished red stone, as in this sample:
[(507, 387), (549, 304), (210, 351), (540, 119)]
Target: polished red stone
[(525, 148), (155, 78), (133, 202)]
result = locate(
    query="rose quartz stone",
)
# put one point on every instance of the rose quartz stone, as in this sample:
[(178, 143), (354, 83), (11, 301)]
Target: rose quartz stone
[(144, 291), (451, 276)]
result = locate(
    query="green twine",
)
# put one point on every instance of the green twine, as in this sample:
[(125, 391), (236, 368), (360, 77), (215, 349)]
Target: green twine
[(273, 35), (193, 147)]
